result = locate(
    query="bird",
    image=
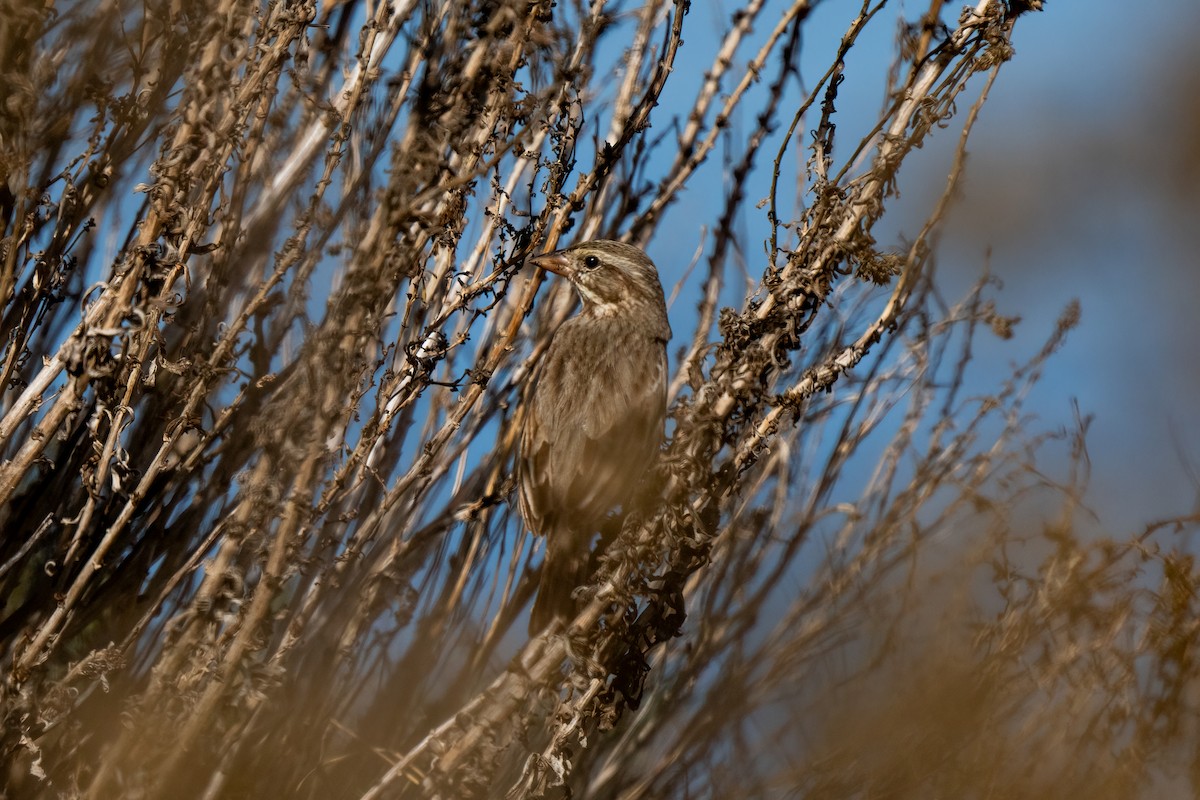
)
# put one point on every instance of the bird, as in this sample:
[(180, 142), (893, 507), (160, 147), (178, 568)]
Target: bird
[(594, 417)]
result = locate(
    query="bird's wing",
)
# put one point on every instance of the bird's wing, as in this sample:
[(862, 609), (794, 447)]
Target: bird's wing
[(601, 461), (594, 425), (533, 479)]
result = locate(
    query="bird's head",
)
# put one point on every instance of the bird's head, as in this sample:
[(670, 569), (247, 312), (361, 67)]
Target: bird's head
[(612, 278)]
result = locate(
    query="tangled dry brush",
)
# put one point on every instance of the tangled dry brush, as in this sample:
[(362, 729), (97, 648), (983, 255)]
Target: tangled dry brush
[(265, 329)]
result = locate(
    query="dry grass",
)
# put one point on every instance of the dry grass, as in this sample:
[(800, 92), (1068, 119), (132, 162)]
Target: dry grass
[(260, 271)]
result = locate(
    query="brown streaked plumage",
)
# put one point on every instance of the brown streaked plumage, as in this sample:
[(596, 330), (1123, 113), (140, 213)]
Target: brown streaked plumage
[(594, 418)]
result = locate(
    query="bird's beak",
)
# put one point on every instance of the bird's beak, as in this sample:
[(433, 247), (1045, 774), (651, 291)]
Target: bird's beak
[(556, 262)]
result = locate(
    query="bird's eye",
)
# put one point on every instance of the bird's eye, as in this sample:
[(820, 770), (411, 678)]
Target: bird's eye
[(591, 262)]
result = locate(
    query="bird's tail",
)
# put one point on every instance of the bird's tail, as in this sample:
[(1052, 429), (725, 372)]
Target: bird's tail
[(564, 569)]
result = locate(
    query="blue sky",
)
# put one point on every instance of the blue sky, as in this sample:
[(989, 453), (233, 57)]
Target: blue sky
[(1071, 184), (1073, 188)]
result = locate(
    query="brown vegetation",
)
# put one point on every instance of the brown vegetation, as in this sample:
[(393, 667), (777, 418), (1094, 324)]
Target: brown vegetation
[(266, 328)]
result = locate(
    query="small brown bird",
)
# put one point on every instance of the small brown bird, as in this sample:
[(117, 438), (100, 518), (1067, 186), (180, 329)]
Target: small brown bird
[(594, 419)]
